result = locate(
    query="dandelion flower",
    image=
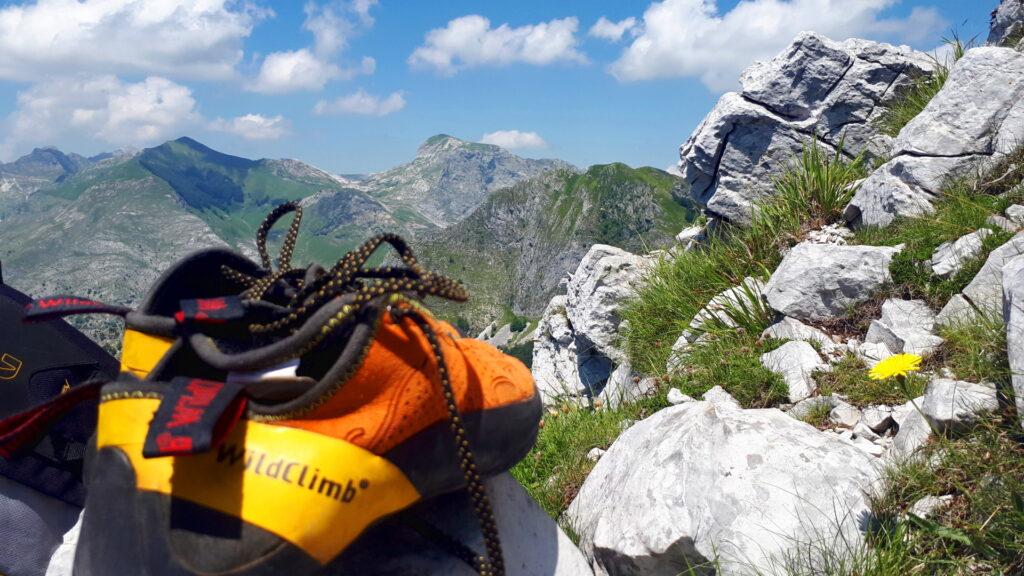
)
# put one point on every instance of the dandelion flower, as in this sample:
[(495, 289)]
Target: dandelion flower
[(895, 365)]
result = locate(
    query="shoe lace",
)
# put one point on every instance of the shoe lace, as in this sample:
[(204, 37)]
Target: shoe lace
[(350, 278)]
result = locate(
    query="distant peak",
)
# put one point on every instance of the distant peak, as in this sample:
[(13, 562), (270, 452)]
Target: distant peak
[(439, 142)]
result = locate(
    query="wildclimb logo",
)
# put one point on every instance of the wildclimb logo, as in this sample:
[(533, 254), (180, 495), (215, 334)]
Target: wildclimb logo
[(291, 472)]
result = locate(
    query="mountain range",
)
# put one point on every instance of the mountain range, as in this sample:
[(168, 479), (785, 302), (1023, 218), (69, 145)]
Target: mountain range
[(509, 227)]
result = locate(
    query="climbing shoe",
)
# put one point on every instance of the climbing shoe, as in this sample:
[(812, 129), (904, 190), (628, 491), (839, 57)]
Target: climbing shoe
[(288, 411)]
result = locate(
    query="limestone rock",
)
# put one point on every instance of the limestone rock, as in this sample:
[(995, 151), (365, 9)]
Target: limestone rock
[(602, 282), (997, 221), (793, 329), (844, 415), (721, 399), (814, 87), (796, 362), (1007, 21), (1013, 315), (749, 295), (803, 408), (756, 483), (955, 404), (830, 234), (977, 117), (914, 430), (927, 506), (625, 386), (877, 418), (555, 370), (1016, 214), (676, 397), (532, 542), (906, 326), (595, 454), (818, 282), (956, 311), (871, 353), (985, 291), (950, 257)]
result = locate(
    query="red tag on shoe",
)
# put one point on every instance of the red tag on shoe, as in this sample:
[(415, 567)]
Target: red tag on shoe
[(193, 417), (21, 430), (210, 310), (60, 306)]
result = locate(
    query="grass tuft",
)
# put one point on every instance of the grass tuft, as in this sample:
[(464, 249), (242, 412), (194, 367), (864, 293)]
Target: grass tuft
[(914, 99), (849, 377)]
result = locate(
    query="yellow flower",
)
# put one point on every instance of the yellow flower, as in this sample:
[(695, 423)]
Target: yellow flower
[(895, 365)]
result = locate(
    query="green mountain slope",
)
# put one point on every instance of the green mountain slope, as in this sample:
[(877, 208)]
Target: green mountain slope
[(513, 250)]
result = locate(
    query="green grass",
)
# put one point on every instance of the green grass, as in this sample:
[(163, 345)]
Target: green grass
[(912, 101), (812, 191), (557, 466), (981, 531), (976, 351), (731, 359)]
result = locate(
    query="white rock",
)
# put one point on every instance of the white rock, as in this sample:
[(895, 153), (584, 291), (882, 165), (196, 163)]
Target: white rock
[(927, 506), (793, 329), (862, 430), (906, 326), (836, 234), (956, 311), (796, 362), (976, 117), (997, 221), (955, 404), (555, 365), (625, 386), (877, 418), (868, 446), (595, 454), (985, 291), (815, 86), (950, 257), (689, 234), (532, 543), (675, 357), (1016, 214), (721, 399), (872, 353), (756, 483), (1007, 20), (845, 415), (1013, 315), (676, 397), (605, 278), (914, 430), (819, 282)]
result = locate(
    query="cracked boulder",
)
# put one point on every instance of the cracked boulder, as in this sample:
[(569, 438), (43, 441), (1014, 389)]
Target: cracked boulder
[(906, 327), (975, 119), (817, 282), (955, 404), (703, 480), (793, 329), (814, 88), (1013, 315), (984, 293), (605, 278)]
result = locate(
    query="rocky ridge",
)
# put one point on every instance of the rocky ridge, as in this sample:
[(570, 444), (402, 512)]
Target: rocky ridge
[(708, 482)]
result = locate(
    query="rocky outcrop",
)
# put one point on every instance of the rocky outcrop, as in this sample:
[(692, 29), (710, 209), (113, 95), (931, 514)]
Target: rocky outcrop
[(1013, 314), (818, 282), (532, 544), (793, 329), (906, 327), (707, 480), (576, 347), (814, 88), (1007, 23), (720, 311), (605, 278), (949, 138)]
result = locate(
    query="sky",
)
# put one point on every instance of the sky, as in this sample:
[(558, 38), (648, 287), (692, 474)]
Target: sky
[(355, 86)]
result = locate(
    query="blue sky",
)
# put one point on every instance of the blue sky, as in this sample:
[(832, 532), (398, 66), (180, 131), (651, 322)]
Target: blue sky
[(357, 85)]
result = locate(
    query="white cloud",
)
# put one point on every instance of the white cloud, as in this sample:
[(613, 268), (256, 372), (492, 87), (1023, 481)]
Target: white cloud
[(181, 38), (253, 126), (612, 31), (681, 38), (469, 41), (361, 103), (514, 139), (311, 68), (100, 108)]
